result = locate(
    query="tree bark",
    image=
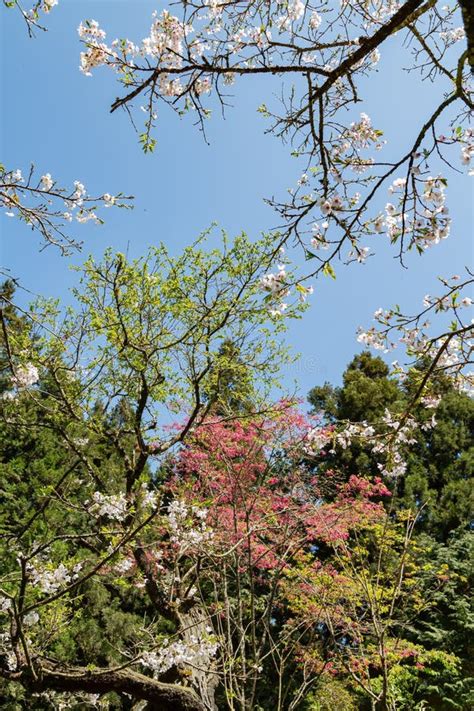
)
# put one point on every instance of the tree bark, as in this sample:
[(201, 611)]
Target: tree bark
[(194, 623), (467, 8), (160, 696)]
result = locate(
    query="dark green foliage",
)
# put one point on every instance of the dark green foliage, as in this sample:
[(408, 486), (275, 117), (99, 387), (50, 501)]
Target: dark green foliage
[(447, 624), (440, 468), (438, 482), (440, 464)]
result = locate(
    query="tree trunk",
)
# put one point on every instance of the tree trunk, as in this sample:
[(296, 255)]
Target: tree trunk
[(194, 623), (160, 696)]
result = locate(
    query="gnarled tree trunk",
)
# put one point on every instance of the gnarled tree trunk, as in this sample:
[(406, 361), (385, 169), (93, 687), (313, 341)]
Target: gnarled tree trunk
[(160, 696), (195, 624)]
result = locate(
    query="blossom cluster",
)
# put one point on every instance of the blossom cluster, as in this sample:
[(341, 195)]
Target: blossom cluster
[(361, 134), (7, 652), (275, 284), (194, 652), (25, 376), (48, 580), (391, 445), (5, 603), (319, 239), (147, 497), (97, 51), (164, 45), (113, 506), (44, 5), (457, 34), (187, 524), (47, 207), (317, 438), (466, 139), (429, 225), (387, 441), (451, 351)]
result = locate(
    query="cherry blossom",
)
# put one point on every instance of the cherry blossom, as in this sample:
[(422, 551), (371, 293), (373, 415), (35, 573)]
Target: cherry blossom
[(114, 506), (25, 376), (47, 207)]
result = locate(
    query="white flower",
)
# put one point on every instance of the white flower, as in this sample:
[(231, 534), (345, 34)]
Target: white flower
[(124, 566), (185, 530), (46, 182), (108, 199), (295, 9), (194, 651), (95, 56), (317, 438), (80, 441), (17, 176), (372, 338), (430, 424), (379, 223), (362, 134), (5, 604), (315, 20), (25, 376), (49, 581), (90, 30), (305, 291), (275, 283), (150, 498), (326, 207), (374, 56), (398, 183), (362, 254), (202, 86), (86, 216), (114, 506), (430, 401), (49, 4), (31, 618), (454, 35), (319, 242), (79, 191)]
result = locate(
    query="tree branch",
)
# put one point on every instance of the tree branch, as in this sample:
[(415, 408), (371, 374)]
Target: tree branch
[(161, 696)]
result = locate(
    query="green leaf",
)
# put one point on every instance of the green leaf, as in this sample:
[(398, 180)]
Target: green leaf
[(328, 270)]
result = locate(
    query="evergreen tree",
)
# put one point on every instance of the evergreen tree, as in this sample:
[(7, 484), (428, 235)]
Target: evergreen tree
[(439, 465)]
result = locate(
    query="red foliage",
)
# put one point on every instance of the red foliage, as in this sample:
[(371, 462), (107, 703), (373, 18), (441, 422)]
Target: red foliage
[(261, 498)]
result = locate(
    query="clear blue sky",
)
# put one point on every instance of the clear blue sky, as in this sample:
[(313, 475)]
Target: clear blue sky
[(58, 119)]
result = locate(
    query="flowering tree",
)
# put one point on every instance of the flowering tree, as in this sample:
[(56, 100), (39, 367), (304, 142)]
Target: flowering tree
[(227, 562), (39, 201), (48, 208), (148, 334), (187, 535), (31, 16), (266, 516), (325, 52), (198, 49)]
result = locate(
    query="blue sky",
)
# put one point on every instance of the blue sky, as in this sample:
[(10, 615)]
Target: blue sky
[(58, 119)]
